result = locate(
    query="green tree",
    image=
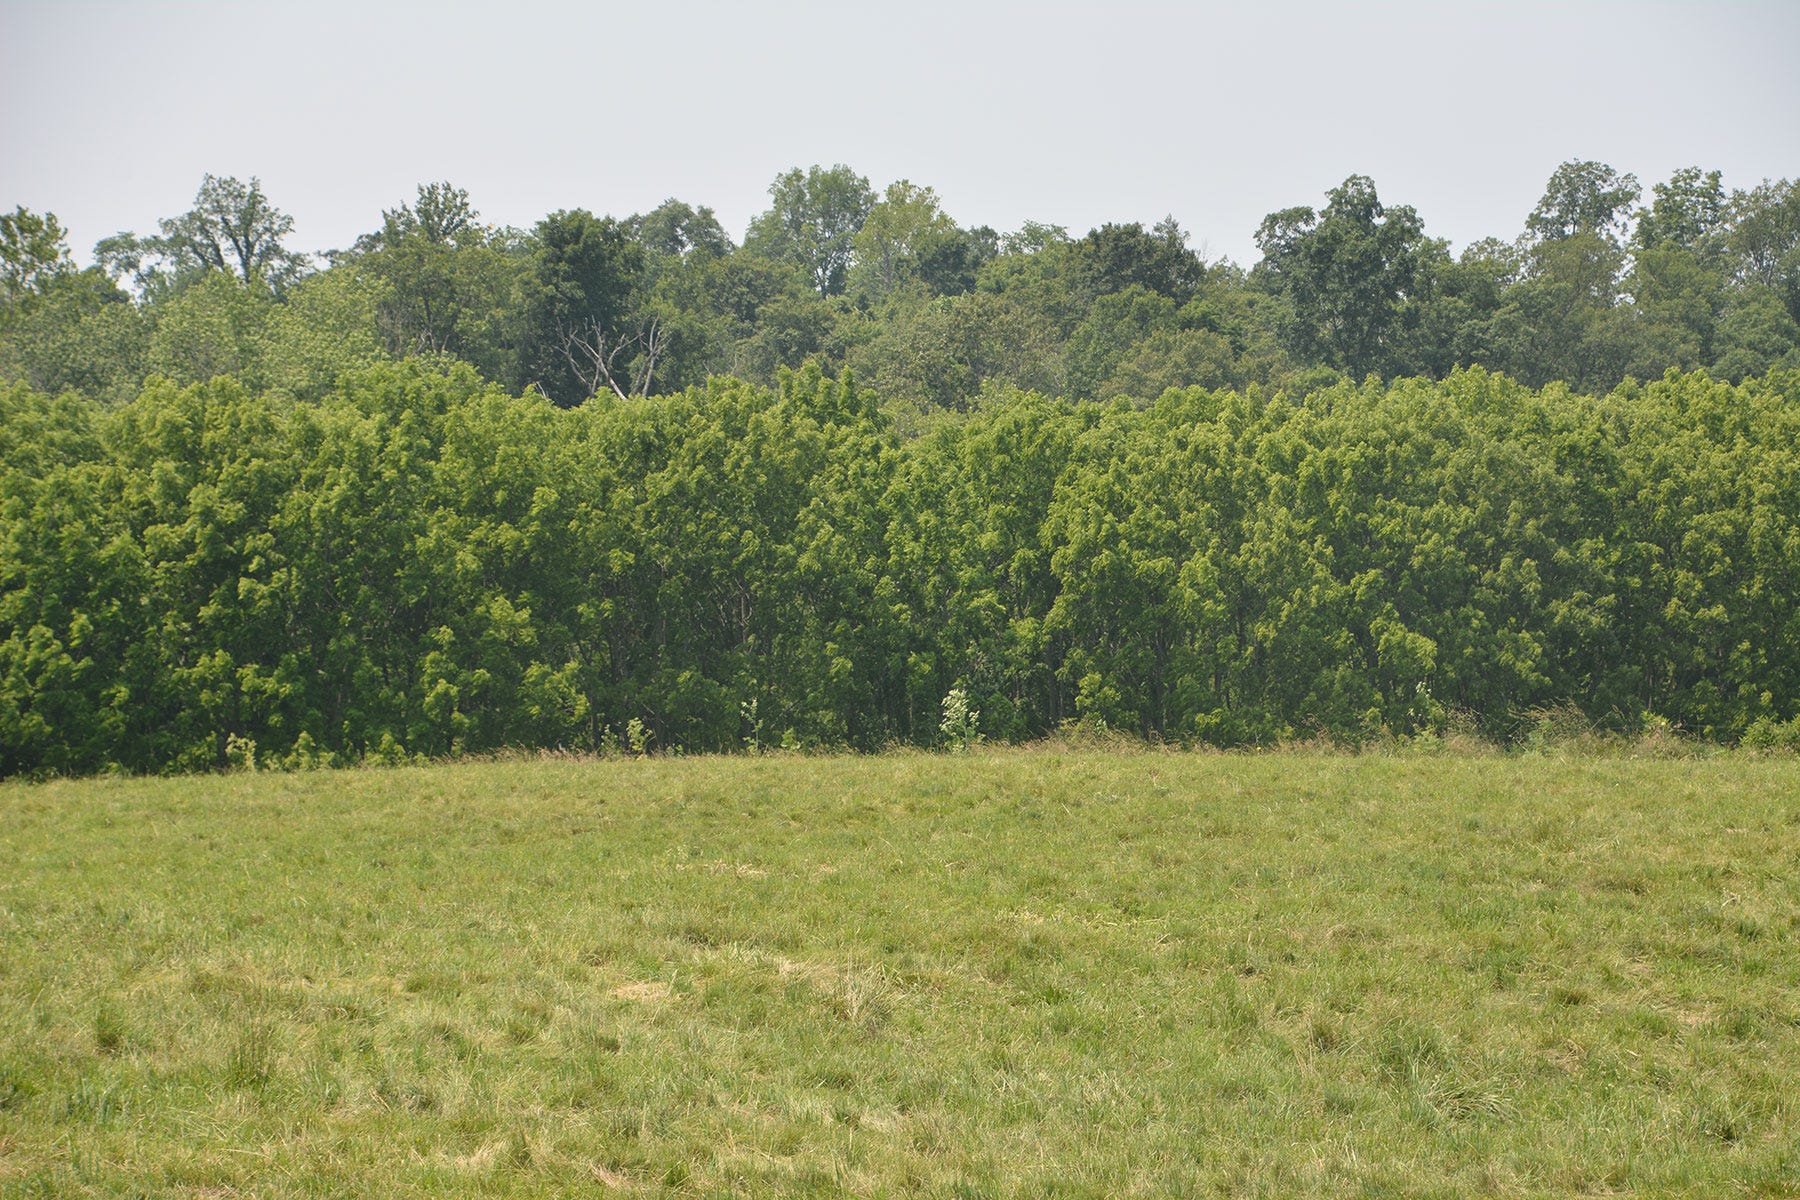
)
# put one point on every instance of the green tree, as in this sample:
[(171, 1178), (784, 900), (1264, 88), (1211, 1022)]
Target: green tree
[(1677, 300), (813, 223), (1037, 269), (1583, 197), (1764, 242), (1173, 358), (1113, 258), (447, 283), (82, 333), (1690, 211), (1357, 276), (734, 314), (441, 215), (580, 334), (904, 230), (1677, 280), (1115, 324), (1756, 335), (327, 326), (943, 353), (232, 228), (1760, 325), (211, 328), (34, 254), (1564, 318), (61, 328), (675, 229)]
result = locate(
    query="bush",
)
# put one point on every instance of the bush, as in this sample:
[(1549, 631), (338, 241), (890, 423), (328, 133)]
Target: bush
[(1768, 735)]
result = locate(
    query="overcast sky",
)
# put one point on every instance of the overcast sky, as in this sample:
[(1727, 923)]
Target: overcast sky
[(1069, 114)]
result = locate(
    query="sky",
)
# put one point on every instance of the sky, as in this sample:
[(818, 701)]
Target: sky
[(1063, 113)]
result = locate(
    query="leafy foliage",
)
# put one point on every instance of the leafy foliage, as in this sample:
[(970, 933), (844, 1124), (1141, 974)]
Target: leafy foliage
[(231, 228), (419, 563), (470, 487), (929, 313)]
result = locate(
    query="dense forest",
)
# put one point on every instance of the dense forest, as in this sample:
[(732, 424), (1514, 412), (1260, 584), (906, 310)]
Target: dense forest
[(871, 476), (1595, 288)]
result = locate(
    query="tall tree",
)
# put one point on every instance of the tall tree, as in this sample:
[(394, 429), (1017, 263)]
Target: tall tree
[(449, 283), (34, 253), (676, 229), (1564, 318), (1765, 239), (1677, 276), (1760, 327), (1583, 197), (1113, 258), (442, 215), (813, 223), (1690, 211), (903, 230), (1355, 275), (578, 337), (81, 333), (232, 227)]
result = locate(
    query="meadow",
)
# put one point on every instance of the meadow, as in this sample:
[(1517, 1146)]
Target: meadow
[(1059, 970)]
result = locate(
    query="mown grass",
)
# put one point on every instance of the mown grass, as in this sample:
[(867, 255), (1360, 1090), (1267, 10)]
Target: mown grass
[(1043, 972)]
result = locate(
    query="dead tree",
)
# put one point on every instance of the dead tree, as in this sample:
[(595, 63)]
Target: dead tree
[(622, 361)]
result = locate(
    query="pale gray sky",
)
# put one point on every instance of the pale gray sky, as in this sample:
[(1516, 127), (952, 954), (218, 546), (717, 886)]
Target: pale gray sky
[(1058, 112)]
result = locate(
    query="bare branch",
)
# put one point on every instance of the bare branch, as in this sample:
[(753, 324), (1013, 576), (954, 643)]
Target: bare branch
[(597, 357)]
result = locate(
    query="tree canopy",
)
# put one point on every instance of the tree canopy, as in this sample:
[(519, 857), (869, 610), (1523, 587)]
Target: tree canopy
[(1600, 283)]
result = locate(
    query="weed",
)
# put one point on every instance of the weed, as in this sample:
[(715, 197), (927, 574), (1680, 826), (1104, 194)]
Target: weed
[(961, 725)]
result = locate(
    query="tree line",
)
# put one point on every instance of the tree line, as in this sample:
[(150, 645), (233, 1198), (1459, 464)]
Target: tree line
[(1601, 284), (416, 560), (609, 481)]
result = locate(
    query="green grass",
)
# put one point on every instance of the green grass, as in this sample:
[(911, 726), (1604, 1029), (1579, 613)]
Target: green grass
[(1042, 972)]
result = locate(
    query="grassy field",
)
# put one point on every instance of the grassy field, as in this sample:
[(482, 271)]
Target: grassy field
[(1041, 972)]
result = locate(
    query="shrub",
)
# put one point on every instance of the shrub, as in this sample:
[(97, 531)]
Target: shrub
[(961, 725)]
